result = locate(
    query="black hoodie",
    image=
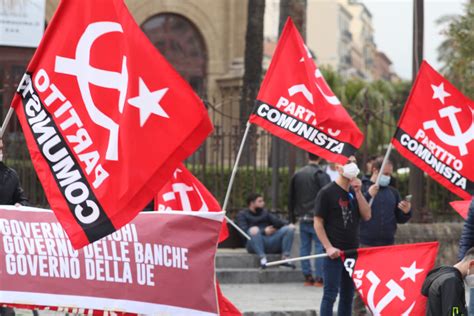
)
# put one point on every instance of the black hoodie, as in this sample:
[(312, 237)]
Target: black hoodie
[(444, 287), (10, 189)]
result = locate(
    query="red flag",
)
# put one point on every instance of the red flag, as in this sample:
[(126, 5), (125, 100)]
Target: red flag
[(462, 207), (295, 103), (184, 192), (389, 279), (107, 120), (226, 308), (436, 132)]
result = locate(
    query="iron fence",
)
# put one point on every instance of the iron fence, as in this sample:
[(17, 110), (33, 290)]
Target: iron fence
[(214, 160)]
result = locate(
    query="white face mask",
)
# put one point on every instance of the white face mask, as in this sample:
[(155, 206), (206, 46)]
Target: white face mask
[(350, 171), (384, 180)]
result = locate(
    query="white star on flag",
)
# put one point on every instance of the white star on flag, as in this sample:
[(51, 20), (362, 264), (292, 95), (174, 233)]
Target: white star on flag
[(410, 272), (148, 102), (439, 92)]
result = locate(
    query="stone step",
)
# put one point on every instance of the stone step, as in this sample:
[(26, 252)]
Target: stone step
[(241, 260), (285, 299), (252, 275)]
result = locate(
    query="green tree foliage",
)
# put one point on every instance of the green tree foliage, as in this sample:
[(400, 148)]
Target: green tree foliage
[(375, 106), (457, 50)]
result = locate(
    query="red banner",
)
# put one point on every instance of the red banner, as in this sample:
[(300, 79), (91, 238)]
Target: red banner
[(104, 131), (462, 207), (295, 103), (392, 287), (436, 132), (160, 263), (185, 192)]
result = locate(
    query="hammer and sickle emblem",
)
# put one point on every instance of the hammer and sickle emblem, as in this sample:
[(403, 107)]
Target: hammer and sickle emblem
[(395, 291), (319, 81), (181, 190), (459, 139), (85, 73)]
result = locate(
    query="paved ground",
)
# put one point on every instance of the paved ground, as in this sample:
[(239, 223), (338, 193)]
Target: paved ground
[(287, 297), (273, 297), (261, 299)]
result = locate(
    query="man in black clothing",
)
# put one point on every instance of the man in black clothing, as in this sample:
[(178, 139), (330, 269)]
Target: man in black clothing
[(304, 186), (388, 209), (11, 192), (444, 287), (467, 236), (268, 233), (337, 212)]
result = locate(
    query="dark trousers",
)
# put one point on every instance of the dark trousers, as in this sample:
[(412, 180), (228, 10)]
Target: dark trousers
[(7, 311), (336, 281), (307, 237)]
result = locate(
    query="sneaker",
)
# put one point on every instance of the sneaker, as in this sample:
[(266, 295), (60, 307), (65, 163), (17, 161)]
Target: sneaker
[(308, 280), (318, 282), (263, 263)]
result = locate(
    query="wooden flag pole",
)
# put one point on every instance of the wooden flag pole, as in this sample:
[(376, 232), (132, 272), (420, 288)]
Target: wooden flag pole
[(232, 178), (276, 263), (385, 159), (6, 121)]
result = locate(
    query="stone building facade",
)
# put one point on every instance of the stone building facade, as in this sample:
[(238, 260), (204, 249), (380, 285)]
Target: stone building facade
[(203, 39)]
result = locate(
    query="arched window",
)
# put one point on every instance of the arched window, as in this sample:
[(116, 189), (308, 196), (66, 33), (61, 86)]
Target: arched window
[(179, 40)]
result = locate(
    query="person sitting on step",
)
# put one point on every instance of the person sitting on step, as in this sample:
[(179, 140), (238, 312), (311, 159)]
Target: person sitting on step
[(269, 234)]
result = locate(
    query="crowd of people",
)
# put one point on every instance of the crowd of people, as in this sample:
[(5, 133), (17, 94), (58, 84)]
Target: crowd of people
[(336, 211)]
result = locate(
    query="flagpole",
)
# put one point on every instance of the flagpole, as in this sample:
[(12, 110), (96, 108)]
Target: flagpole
[(276, 263), (6, 121), (232, 178), (237, 228), (382, 167)]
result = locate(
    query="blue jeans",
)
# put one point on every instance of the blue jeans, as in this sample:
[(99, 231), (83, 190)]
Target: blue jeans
[(307, 236), (280, 242), (471, 301), (336, 281)]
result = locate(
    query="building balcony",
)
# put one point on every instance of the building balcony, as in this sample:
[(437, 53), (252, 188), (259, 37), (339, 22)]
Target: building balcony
[(370, 39), (347, 35), (346, 60), (369, 62)]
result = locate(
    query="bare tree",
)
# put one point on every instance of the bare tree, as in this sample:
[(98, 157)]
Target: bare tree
[(253, 70), (416, 175), (296, 9)]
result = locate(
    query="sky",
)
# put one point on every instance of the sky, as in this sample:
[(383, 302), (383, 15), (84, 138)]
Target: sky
[(392, 22)]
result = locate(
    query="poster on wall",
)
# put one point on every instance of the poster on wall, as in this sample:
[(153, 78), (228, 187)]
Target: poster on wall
[(22, 22)]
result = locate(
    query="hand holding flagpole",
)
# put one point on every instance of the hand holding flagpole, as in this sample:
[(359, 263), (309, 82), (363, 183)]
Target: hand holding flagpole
[(279, 262), (382, 167)]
